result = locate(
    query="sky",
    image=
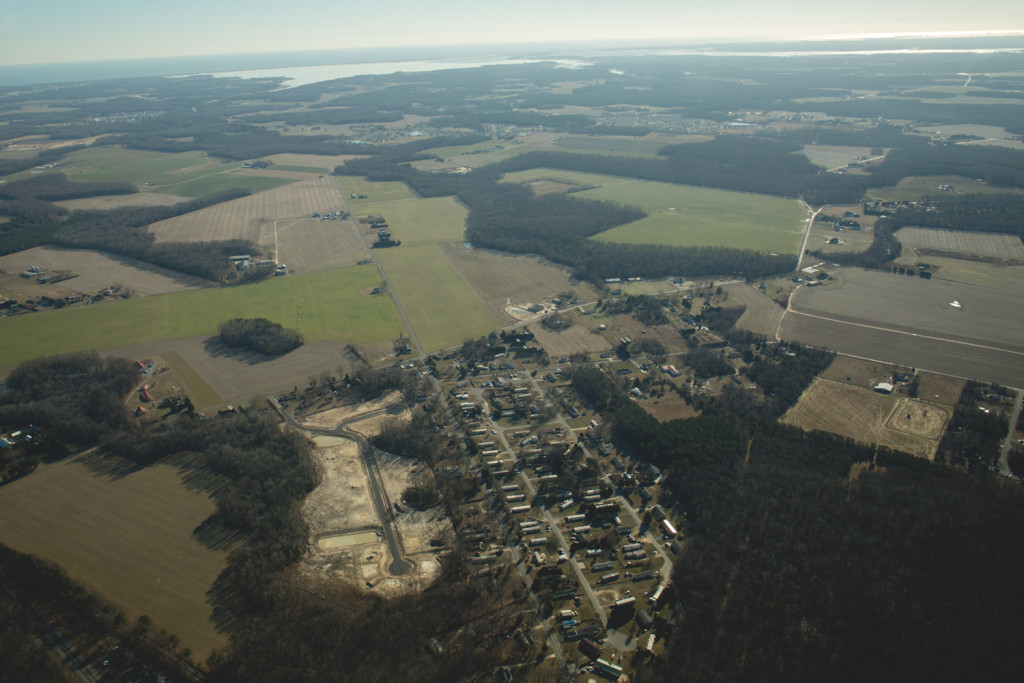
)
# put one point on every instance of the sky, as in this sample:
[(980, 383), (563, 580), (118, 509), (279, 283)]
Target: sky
[(48, 31)]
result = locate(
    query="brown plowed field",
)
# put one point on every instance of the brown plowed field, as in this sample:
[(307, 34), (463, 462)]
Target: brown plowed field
[(903, 424), (241, 218), (97, 270), (308, 244)]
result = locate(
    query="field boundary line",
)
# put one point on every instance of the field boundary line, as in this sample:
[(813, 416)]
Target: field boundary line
[(909, 334)]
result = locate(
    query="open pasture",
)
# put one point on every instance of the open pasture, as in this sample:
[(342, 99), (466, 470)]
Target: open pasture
[(126, 533), (895, 422), (831, 157), (424, 221), (98, 270), (114, 201), (983, 244), (683, 215), (499, 278), (922, 307), (322, 162), (229, 180), (325, 305), (915, 188), (142, 168), (241, 218), (375, 192), (646, 146), (484, 153), (441, 306)]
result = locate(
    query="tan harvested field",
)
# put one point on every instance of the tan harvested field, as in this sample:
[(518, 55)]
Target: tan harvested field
[(242, 218), (762, 315), (896, 422), (126, 533), (566, 342), (308, 244), (671, 406), (237, 376), (543, 187), (98, 270), (118, 200), (499, 279), (986, 245), (272, 172)]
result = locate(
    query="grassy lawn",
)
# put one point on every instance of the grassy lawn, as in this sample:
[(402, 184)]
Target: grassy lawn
[(683, 215), (375, 192), (201, 393), (438, 219), (127, 535), (322, 305), (443, 310), (218, 182)]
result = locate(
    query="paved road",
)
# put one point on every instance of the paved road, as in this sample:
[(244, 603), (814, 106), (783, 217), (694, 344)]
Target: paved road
[(1004, 453), (399, 565)]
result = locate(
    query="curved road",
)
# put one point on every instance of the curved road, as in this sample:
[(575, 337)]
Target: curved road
[(399, 565)]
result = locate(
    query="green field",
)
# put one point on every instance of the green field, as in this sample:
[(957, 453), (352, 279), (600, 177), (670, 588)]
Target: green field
[(201, 393), (646, 146), (375, 192), (322, 305), (124, 534), (218, 182), (139, 167), (683, 215), (916, 188), (442, 308), (439, 219)]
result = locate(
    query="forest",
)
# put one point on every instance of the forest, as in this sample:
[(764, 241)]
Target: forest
[(260, 335)]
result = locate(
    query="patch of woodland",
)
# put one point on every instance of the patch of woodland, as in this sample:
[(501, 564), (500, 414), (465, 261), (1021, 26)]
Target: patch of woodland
[(260, 335)]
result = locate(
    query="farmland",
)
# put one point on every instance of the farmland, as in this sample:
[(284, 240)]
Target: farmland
[(865, 415), (251, 218), (139, 167), (375, 192), (832, 157), (918, 306), (442, 309), (424, 221), (916, 188), (681, 215), (321, 162), (219, 182), (986, 245), (97, 271), (105, 203), (309, 303), (312, 244), (566, 342), (762, 315), (647, 146), (500, 278), (126, 533)]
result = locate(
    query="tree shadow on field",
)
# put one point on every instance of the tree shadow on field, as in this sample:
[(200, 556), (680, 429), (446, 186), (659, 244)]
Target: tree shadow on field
[(109, 466), (218, 349), (215, 534)]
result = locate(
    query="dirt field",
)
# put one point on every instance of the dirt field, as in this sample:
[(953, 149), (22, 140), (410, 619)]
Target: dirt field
[(988, 245), (329, 419), (900, 423), (762, 315), (241, 218), (97, 271), (115, 201), (566, 342), (126, 533), (918, 306), (671, 406), (499, 279)]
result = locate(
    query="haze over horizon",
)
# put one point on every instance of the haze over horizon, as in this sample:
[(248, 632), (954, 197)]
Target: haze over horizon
[(49, 31)]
